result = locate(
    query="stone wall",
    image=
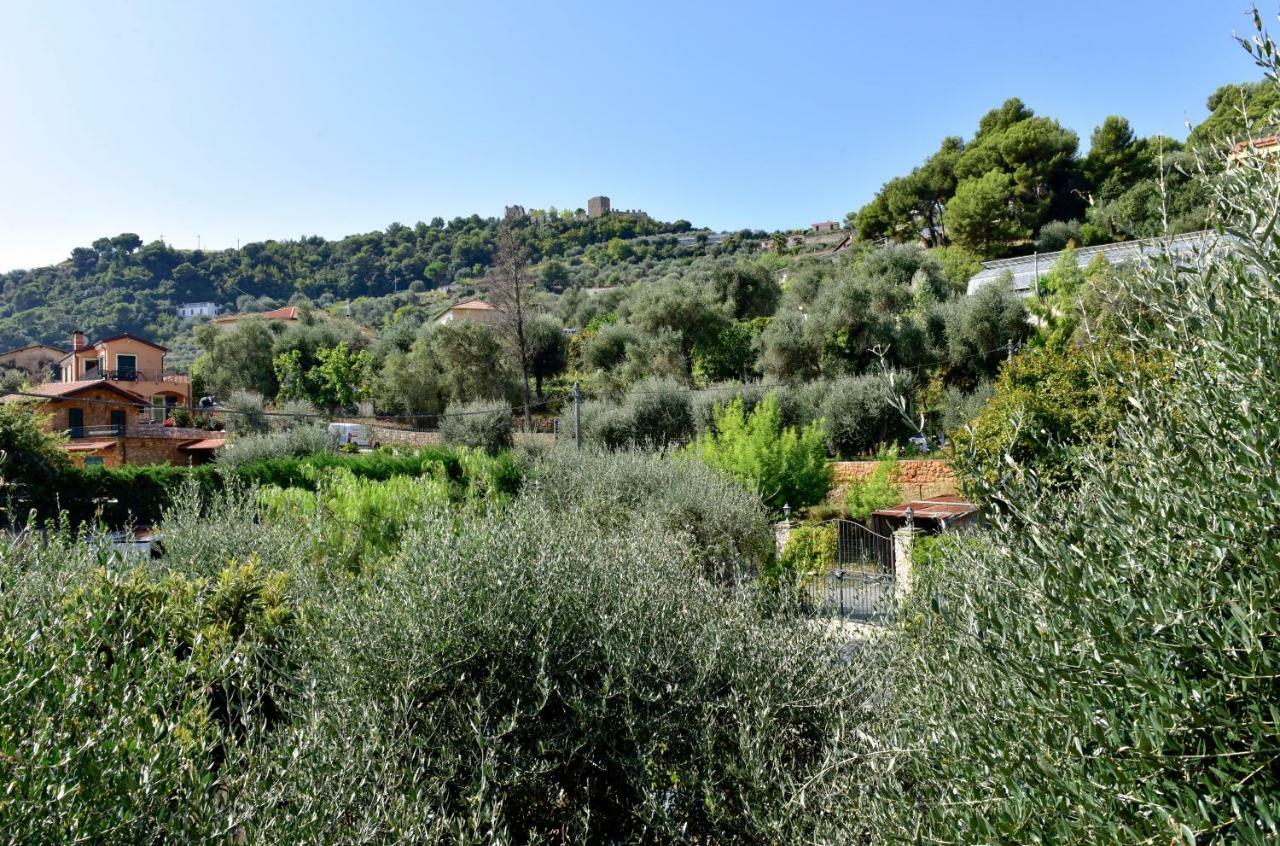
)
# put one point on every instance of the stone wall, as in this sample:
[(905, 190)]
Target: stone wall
[(918, 478)]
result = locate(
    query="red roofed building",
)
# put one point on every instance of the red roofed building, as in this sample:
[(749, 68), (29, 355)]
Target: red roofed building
[(1266, 146), (477, 311), (132, 363), (286, 314)]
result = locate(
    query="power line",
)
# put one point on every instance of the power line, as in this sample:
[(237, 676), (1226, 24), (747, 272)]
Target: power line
[(301, 415)]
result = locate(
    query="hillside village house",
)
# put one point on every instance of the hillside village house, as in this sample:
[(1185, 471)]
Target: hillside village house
[(129, 362), (477, 311), (198, 310), (37, 361), (112, 398), (287, 314)]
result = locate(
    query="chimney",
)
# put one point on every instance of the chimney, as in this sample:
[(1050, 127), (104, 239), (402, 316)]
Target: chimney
[(77, 340)]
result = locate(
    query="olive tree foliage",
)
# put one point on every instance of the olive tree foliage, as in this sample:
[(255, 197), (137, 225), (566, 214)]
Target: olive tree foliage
[(459, 362), (1104, 667), (483, 424), (894, 304), (557, 668)]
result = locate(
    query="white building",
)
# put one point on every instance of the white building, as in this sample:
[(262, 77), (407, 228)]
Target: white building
[(198, 310)]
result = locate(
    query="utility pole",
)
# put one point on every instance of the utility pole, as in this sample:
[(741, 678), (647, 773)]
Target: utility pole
[(577, 417)]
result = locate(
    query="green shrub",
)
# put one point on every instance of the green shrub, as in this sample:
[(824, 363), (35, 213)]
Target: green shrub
[(295, 413), (482, 424), (810, 551), (661, 413), (722, 525), (857, 414), (245, 413), (129, 696), (31, 462), (556, 669), (879, 489), (783, 466), (296, 441), (655, 413), (524, 677)]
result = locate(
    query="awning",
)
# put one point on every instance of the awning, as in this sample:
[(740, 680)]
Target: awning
[(207, 443), (88, 446), (937, 508)]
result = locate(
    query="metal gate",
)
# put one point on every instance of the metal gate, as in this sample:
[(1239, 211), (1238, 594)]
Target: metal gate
[(861, 587)]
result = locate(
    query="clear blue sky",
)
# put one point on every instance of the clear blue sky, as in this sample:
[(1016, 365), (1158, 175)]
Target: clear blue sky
[(256, 120)]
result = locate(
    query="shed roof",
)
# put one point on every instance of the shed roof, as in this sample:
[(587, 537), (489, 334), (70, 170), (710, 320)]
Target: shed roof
[(283, 313), (935, 508)]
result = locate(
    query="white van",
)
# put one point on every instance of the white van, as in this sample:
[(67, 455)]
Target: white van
[(352, 433)]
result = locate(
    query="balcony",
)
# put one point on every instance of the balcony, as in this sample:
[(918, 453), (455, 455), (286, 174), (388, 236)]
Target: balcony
[(145, 430), (139, 376)]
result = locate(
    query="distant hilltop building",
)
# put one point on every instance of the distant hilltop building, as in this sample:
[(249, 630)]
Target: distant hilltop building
[(198, 310), (598, 206), (825, 226)]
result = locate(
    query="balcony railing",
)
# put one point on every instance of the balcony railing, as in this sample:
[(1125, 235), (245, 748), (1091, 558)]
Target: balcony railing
[(138, 376), (144, 431)]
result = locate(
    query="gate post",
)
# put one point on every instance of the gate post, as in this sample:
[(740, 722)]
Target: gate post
[(902, 540)]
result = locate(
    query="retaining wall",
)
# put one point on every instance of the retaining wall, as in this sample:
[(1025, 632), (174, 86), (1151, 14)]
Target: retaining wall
[(918, 478)]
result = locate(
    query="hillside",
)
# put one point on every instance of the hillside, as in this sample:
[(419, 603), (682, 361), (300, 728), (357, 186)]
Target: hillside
[(120, 284)]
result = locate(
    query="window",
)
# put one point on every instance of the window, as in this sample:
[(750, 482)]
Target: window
[(75, 422), (93, 461), (90, 368), (126, 367)]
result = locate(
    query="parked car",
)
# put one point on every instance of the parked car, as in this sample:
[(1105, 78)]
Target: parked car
[(356, 434)]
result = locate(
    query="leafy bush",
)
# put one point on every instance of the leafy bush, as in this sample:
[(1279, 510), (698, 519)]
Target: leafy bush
[(293, 414), (245, 413), (879, 489), (857, 414), (810, 550), (482, 424), (297, 441), (655, 413), (129, 696), (661, 413), (31, 461), (783, 466), (1048, 406), (526, 677), (721, 525), (1057, 234), (553, 670)]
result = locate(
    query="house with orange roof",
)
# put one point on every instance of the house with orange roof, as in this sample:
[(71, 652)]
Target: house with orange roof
[(474, 310), (130, 362), (114, 401), (286, 314)]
